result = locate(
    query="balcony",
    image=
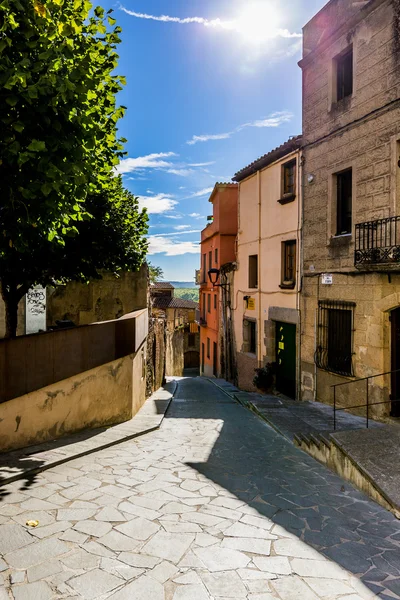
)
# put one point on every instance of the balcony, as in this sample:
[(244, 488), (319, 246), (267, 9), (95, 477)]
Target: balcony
[(203, 322), (378, 244)]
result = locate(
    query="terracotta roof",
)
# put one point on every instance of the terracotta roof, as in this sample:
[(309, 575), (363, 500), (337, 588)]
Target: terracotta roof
[(162, 285), (220, 185), (289, 146), (167, 302)]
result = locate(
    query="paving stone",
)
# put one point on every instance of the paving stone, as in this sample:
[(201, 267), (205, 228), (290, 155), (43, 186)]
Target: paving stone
[(263, 596), (170, 546), (94, 583), (144, 588), (204, 540), (189, 592), (74, 514), (109, 514), (73, 536), (258, 522), (225, 584), (317, 568), (17, 577), (328, 587), (49, 530), (278, 565), (163, 571), (36, 553), (139, 529), (139, 560), (293, 588), (32, 591), (258, 586), (80, 559), (221, 559), (97, 549), (3, 565), (93, 528), (139, 511), (44, 518), (44, 570), (188, 578), (13, 537), (37, 504), (255, 546), (118, 542), (232, 503), (181, 527), (294, 548), (201, 519), (176, 508)]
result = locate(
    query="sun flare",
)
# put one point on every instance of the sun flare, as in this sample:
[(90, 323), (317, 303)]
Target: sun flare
[(258, 22)]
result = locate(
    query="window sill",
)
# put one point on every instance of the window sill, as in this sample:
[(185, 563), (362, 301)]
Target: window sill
[(340, 240), (287, 198), (288, 286)]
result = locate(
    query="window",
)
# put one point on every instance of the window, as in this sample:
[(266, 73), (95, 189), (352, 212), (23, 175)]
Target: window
[(209, 303), (204, 268), (249, 336), (335, 336), (215, 301), (208, 348), (253, 271), (191, 340), (289, 178), (216, 256), (344, 193), (344, 74), (210, 260), (289, 264)]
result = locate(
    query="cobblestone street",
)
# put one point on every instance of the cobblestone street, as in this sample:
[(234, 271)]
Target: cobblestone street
[(214, 505)]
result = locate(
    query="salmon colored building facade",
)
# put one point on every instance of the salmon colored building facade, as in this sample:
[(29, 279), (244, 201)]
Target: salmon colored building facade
[(218, 242)]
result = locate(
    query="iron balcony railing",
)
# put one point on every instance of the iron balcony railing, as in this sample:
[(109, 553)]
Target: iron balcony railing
[(377, 242)]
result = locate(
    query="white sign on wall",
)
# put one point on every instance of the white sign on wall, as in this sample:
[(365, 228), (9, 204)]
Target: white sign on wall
[(327, 279), (35, 310)]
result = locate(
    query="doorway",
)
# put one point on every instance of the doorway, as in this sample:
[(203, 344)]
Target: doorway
[(215, 361), (286, 359), (395, 358)]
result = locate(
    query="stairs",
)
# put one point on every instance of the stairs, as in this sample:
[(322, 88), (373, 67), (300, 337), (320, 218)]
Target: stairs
[(330, 452)]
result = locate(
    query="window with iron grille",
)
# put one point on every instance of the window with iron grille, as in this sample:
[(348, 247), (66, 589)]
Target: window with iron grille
[(344, 185), (253, 271), (204, 268), (210, 260), (289, 178), (215, 301), (335, 336), (344, 74)]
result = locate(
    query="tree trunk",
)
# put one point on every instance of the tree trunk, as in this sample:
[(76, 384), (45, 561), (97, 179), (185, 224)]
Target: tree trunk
[(11, 316)]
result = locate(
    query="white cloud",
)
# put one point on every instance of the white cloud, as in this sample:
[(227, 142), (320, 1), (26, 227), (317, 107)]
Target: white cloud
[(157, 204), (180, 172), (173, 216), (170, 247), (200, 193), (207, 137), (196, 216), (181, 227), (205, 164), (175, 233), (151, 161), (235, 25), (273, 120)]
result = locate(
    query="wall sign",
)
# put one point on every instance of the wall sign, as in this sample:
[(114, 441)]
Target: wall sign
[(251, 304), (35, 310), (327, 279)]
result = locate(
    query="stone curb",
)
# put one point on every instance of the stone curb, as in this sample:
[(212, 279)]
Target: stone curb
[(249, 406), (103, 446)]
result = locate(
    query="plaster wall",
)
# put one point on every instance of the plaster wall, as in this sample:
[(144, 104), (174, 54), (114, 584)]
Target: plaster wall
[(108, 394)]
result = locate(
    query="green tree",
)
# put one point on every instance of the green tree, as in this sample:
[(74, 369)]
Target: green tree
[(155, 273), (58, 131)]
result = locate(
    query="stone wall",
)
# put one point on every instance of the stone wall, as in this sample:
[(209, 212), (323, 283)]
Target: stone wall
[(155, 368), (174, 352), (361, 132)]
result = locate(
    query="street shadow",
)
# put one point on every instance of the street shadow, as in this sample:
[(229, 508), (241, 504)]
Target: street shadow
[(263, 469), (25, 464)]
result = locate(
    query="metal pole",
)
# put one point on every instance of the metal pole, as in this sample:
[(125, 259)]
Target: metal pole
[(334, 408), (367, 380)]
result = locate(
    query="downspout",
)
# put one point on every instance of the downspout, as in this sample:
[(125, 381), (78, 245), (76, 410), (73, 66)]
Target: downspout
[(300, 266), (259, 328)]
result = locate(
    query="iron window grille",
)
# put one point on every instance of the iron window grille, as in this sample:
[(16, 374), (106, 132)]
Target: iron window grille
[(335, 337)]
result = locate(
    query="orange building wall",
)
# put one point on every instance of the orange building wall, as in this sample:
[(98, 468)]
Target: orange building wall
[(219, 236)]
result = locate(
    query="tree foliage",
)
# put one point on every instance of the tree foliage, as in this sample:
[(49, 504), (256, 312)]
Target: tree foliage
[(59, 146), (155, 273)]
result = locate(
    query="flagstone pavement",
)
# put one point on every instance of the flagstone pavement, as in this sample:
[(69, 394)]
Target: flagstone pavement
[(213, 506)]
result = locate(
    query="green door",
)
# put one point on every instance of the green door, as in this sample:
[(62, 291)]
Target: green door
[(286, 359)]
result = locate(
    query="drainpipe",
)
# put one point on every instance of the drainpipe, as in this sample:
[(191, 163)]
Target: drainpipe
[(300, 266), (259, 328)]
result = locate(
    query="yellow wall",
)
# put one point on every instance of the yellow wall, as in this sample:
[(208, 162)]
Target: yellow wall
[(105, 395), (261, 231)]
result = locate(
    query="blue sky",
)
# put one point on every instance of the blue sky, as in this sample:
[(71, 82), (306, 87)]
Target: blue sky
[(211, 86)]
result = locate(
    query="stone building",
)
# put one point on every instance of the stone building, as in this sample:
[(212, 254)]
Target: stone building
[(266, 280), (181, 322), (351, 224)]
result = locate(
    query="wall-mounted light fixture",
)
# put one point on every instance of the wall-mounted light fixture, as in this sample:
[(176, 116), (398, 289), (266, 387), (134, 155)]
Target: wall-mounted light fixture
[(310, 178), (213, 275)]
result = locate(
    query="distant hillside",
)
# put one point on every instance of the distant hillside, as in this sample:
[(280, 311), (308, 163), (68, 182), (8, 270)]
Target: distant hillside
[(184, 284), (187, 294)]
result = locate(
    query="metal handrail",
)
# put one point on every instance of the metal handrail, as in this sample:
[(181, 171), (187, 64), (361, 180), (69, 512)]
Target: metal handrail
[(367, 405)]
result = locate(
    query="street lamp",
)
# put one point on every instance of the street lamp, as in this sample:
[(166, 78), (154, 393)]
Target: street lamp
[(213, 275)]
